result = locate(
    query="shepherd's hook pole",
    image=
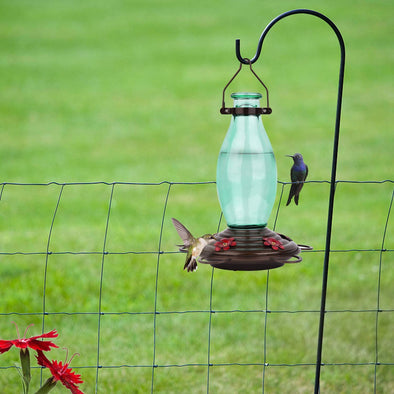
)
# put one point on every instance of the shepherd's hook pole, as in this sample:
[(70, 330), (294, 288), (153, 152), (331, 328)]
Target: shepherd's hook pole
[(334, 163)]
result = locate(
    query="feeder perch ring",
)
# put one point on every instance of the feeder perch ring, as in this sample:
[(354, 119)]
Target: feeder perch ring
[(250, 252)]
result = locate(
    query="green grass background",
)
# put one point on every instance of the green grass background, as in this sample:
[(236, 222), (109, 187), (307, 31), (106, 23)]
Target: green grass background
[(130, 91)]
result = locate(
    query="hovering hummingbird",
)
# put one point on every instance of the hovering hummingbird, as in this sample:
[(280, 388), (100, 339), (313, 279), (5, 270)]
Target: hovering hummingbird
[(298, 174), (193, 246)]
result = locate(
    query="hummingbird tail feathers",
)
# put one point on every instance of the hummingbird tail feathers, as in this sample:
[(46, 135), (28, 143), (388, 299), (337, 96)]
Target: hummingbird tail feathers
[(190, 265), (295, 192), (292, 193)]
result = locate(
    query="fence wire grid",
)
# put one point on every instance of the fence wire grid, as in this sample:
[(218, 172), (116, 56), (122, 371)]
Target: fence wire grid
[(98, 262)]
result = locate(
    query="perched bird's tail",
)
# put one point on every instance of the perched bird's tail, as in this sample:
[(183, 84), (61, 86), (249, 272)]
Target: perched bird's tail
[(294, 192)]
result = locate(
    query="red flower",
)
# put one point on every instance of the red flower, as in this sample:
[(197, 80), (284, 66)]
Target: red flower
[(225, 244), (32, 342), (273, 243), (61, 372)]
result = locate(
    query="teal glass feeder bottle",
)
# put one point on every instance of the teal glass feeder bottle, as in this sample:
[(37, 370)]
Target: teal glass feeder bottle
[(246, 169)]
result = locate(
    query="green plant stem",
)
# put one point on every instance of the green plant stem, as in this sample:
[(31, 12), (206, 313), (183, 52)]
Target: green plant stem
[(25, 363), (48, 386)]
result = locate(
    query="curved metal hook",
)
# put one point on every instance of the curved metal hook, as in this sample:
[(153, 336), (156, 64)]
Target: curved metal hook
[(277, 19)]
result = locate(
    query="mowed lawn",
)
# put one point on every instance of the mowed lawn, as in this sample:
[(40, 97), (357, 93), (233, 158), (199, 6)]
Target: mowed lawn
[(98, 92)]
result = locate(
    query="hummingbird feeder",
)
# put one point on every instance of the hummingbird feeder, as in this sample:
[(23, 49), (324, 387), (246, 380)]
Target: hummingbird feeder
[(246, 182), (247, 178)]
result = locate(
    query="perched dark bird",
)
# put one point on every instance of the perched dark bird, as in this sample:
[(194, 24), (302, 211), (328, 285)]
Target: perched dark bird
[(298, 174), (192, 246)]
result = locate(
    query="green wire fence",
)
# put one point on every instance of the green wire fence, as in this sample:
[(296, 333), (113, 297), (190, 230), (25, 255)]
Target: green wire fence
[(210, 331)]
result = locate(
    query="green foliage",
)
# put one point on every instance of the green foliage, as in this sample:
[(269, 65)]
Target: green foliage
[(130, 91)]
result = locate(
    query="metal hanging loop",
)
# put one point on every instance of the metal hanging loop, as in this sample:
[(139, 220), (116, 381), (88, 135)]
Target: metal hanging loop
[(246, 110)]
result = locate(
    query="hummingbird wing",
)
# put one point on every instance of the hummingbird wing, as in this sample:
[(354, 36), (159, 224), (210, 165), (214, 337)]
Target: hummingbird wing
[(183, 232), (292, 193)]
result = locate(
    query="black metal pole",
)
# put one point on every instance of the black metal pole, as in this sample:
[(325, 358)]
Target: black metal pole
[(333, 169)]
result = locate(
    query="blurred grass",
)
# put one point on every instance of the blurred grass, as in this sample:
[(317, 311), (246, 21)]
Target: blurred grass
[(130, 91)]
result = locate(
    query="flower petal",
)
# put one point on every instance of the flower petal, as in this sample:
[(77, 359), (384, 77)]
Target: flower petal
[(50, 334), (40, 345), (5, 346)]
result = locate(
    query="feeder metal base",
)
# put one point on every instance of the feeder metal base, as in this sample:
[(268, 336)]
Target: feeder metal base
[(250, 253)]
